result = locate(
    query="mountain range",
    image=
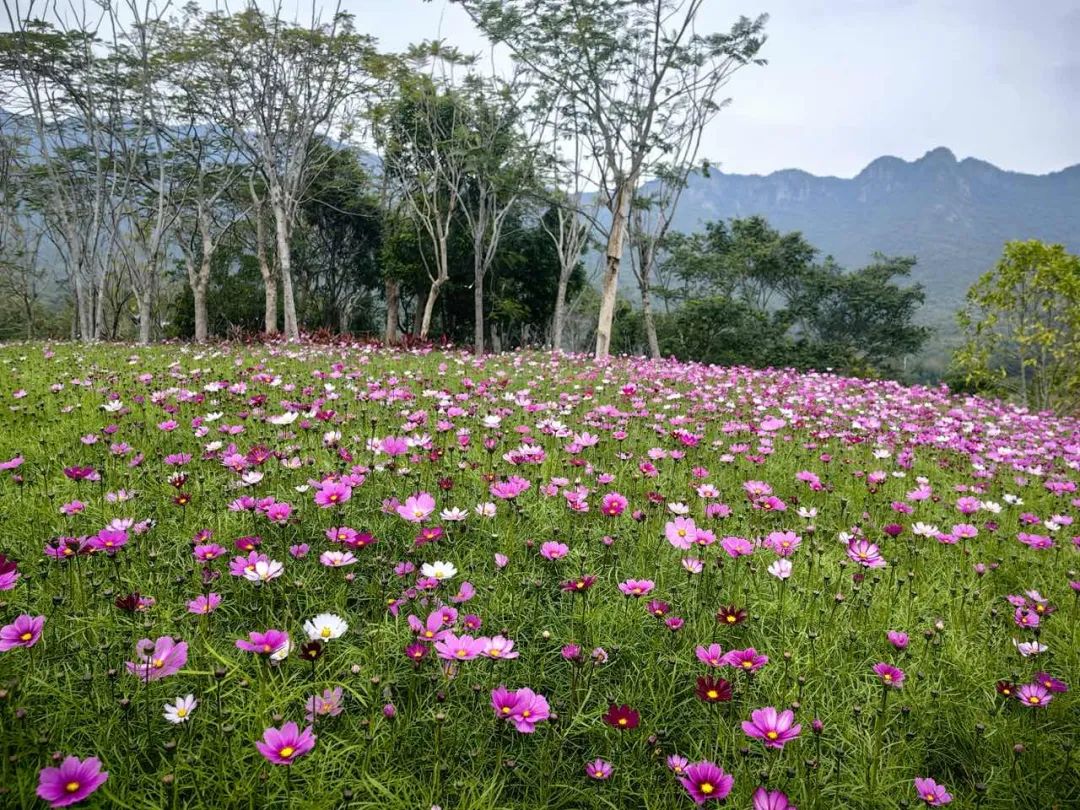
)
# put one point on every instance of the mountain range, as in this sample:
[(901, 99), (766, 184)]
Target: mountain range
[(953, 215)]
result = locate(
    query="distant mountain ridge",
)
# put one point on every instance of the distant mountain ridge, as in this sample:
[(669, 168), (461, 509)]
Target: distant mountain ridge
[(952, 215)]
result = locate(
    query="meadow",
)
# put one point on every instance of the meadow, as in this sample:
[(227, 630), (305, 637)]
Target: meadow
[(342, 576)]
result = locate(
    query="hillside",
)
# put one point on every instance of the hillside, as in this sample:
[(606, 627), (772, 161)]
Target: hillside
[(952, 215)]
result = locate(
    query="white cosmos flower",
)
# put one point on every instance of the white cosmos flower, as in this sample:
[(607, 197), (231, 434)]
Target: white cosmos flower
[(213, 447), (212, 417), (1014, 500), (282, 652), (809, 514), (251, 478), (454, 515), (992, 506), (781, 569), (325, 626), (1029, 648), (439, 570), (487, 510), (112, 407), (282, 419), (678, 508), (180, 710), (921, 529), (264, 571), (492, 421)]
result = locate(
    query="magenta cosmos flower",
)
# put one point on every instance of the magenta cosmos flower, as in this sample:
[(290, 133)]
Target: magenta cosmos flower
[(599, 769), (524, 707), (72, 782), (636, 587), (23, 632), (889, 675), (772, 728), (706, 781), (771, 800), (332, 494), (159, 659), (266, 643), (931, 792), (1034, 695), (747, 660), (283, 746)]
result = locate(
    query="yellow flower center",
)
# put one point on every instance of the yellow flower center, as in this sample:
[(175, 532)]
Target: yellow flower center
[(26, 636), (506, 710), (713, 694), (747, 664), (706, 788), (731, 619), (72, 786), (526, 713), (772, 735), (325, 633), (929, 797), (286, 752), (1033, 699), (494, 653), (158, 663), (622, 721), (181, 712)]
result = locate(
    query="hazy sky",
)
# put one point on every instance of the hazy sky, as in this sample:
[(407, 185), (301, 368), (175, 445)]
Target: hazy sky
[(849, 80)]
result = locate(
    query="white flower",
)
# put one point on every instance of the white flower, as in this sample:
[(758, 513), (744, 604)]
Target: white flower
[(112, 407), (781, 569), (921, 529), (180, 710), (1029, 648), (264, 571), (882, 453), (809, 514), (1014, 500), (453, 515), (439, 570), (492, 421), (678, 508), (486, 509), (251, 478), (213, 447), (213, 417), (325, 626), (282, 652), (283, 419)]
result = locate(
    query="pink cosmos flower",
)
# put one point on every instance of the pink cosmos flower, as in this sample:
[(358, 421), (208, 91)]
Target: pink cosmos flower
[(328, 704), (747, 660), (283, 746), (636, 587), (613, 504), (25, 631), (706, 781), (772, 728), (933, 794), (681, 532), (158, 659), (770, 800), (529, 709), (554, 551), (204, 603), (599, 769), (332, 494), (417, 508), (268, 643), (889, 675), (712, 656), (452, 647), (74, 780)]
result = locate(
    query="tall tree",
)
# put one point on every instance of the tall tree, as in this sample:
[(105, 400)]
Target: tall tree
[(277, 89), (1022, 327), (638, 73)]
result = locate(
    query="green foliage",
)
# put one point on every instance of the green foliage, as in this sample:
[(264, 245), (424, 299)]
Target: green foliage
[(1021, 326), (235, 298), (745, 293)]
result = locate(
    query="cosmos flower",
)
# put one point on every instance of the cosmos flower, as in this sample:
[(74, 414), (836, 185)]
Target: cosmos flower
[(439, 570), (889, 675), (621, 717), (326, 626), (712, 690), (285, 745), (271, 643), (599, 769), (74, 780), (930, 792), (706, 781), (636, 587), (328, 704), (1034, 695), (772, 728), (25, 631), (158, 659), (179, 711), (764, 799)]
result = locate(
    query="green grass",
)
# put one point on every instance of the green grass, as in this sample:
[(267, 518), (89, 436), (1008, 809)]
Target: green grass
[(72, 694)]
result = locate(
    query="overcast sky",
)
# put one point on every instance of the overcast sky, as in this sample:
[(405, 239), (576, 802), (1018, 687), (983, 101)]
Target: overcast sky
[(850, 80)]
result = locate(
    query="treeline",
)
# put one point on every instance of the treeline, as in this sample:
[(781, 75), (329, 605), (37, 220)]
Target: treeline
[(139, 141)]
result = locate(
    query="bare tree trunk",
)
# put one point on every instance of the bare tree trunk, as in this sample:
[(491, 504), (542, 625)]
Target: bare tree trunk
[(429, 308), (616, 238), (478, 307), (198, 293), (650, 324), (418, 323), (145, 307), (393, 303), (99, 308), (559, 319), (284, 252)]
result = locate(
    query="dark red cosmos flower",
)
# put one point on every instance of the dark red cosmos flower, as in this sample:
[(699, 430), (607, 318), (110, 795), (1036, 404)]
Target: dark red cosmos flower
[(1005, 688), (183, 499), (579, 585), (621, 717), (129, 603), (713, 690), (731, 615)]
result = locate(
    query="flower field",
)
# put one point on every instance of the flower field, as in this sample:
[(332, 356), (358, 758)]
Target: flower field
[(340, 576)]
